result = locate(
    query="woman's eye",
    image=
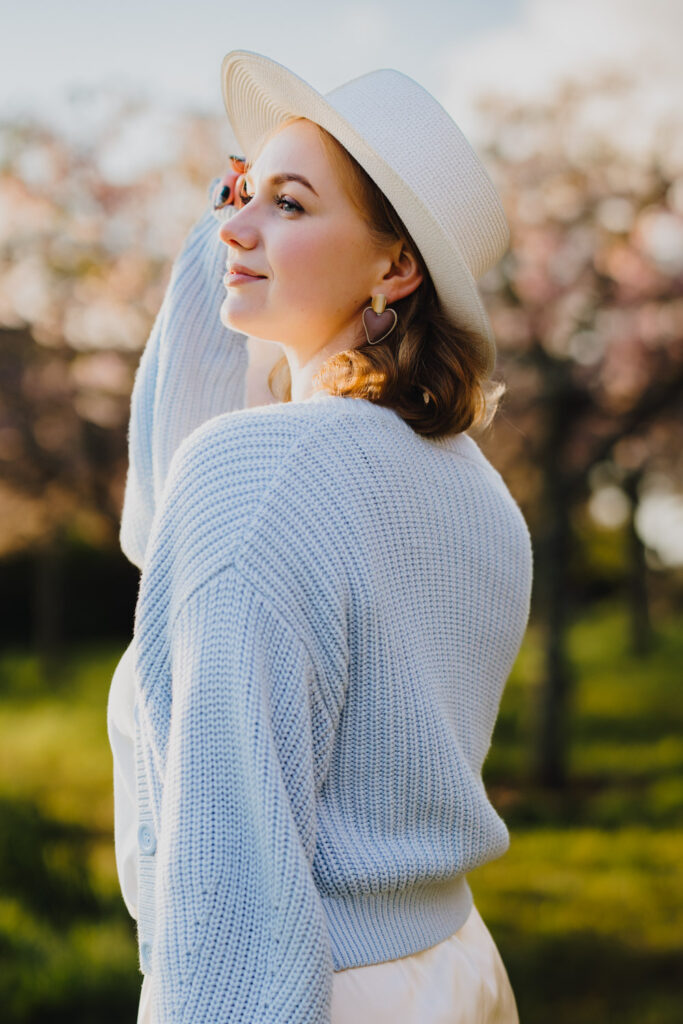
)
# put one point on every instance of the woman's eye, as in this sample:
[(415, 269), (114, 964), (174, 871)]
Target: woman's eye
[(287, 204)]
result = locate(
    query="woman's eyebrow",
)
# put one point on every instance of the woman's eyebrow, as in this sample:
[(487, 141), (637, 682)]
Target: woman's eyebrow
[(280, 179)]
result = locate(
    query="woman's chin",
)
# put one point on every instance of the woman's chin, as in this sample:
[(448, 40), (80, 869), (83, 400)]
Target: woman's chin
[(231, 318), (244, 323)]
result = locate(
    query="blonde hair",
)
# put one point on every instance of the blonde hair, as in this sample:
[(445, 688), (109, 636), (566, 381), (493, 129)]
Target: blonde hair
[(426, 352)]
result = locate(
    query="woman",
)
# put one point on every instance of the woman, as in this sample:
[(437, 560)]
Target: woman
[(334, 586)]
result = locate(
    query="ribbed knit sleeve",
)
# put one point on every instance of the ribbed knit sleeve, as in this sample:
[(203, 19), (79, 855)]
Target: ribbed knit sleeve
[(240, 932), (192, 368)]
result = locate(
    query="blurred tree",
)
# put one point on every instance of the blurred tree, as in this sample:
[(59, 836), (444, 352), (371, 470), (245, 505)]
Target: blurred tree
[(84, 261), (587, 308)]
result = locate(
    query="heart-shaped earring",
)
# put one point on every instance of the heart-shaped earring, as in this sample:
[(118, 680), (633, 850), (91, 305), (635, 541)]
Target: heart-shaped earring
[(376, 320)]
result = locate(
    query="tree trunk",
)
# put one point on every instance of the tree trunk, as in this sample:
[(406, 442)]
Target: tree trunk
[(551, 754), (638, 598), (48, 602), (561, 406)]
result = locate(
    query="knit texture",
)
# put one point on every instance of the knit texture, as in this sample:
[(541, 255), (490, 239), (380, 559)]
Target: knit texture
[(192, 368), (329, 608)]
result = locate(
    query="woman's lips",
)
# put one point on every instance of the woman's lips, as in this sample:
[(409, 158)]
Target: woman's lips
[(240, 279)]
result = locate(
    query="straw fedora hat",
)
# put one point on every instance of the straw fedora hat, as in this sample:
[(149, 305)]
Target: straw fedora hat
[(411, 148)]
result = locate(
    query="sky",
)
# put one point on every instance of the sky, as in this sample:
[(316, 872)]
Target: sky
[(171, 51), (174, 49)]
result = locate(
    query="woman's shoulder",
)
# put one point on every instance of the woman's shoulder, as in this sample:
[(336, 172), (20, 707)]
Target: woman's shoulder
[(253, 434), (256, 477), (226, 467), (263, 435)]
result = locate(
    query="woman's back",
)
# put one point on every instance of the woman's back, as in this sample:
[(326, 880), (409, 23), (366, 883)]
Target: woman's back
[(371, 588)]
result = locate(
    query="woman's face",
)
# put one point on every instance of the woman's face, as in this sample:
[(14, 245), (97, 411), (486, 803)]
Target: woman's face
[(319, 267)]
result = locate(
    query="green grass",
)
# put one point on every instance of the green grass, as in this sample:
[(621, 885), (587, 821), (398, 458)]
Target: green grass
[(587, 903), (67, 943), (585, 906)]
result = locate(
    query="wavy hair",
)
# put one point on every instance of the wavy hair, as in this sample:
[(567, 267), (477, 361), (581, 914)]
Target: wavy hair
[(426, 352)]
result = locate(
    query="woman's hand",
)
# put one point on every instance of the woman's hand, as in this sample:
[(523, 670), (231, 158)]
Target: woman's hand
[(228, 188)]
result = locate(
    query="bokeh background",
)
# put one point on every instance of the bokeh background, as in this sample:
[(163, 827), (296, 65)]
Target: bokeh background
[(111, 129)]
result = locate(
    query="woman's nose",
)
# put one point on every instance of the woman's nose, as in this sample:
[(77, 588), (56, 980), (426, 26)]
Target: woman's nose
[(238, 230)]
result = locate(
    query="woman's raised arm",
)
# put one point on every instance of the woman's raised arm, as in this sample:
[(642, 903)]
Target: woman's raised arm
[(192, 368)]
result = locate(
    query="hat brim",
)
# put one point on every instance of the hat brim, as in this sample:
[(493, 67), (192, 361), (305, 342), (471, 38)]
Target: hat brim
[(259, 94)]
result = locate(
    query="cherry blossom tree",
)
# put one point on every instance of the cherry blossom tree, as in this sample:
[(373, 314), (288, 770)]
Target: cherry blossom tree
[(587, 307)]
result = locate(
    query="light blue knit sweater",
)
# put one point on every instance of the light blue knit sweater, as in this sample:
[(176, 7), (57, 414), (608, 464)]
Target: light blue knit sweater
[(329, 608)]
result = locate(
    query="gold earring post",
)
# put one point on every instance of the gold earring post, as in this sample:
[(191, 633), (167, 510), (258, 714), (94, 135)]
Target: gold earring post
[(379, 303)]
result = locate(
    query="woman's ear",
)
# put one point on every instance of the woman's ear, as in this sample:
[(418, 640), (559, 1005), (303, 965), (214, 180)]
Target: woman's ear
[(403, 276)]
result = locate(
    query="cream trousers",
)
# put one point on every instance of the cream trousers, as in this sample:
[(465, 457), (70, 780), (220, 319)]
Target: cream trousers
[(461, 980)]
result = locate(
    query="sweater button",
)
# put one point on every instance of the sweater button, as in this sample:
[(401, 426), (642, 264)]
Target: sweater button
[(146, 839), (146, 957)]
